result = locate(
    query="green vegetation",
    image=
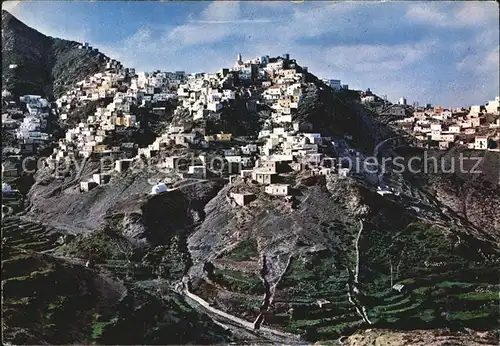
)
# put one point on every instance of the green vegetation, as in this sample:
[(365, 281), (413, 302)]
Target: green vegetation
[(98, 327), (239, 282), (443, 284), (309, 278), (479, 296), (442, 281), (245, 251), (102, 245)]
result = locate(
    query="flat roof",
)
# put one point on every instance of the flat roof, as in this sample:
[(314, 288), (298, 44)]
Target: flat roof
[(263, 172)]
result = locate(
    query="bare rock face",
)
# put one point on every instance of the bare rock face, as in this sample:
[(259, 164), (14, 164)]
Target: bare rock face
[(346, 193), (472, 193), (421, 338)]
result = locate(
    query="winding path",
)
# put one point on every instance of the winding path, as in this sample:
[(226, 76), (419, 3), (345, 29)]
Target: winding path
[(197, 302), (356, 272)]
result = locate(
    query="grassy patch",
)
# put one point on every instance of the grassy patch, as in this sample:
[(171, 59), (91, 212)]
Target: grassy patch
[(99, 326), (97, 330), (239, 282), (245, 251), (426, 315), (479, 296), (450, 284), (467, 315)]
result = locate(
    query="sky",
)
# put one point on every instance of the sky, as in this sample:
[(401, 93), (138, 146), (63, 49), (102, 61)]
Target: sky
[(444, 53)]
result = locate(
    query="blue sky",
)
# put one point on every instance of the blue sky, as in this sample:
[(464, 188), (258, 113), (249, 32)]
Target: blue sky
[(443, 53)]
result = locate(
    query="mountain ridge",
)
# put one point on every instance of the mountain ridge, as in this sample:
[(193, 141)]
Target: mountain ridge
[(46, 65)]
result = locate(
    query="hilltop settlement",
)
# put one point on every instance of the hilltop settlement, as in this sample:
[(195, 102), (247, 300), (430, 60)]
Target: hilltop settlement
[(125, 101), (247, 205)]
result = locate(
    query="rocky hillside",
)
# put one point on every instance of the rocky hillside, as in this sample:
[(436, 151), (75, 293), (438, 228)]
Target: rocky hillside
[(323, 266), (339, 113), (438, 337), (319, 267), (46, 66), (473, 194)]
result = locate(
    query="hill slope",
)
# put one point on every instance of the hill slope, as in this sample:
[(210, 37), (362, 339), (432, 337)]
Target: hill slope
[(46, 66)]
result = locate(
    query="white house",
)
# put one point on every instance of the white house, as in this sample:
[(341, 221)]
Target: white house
[(474, 110), (6, 188), (436, 127), (493, 107), (481, 143), (249, 149), (343, 172), (101, 178), (228, 94), (278, 189)]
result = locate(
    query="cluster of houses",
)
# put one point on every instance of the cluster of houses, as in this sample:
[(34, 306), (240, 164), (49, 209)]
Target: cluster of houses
[(27, 120), (204, 95), (31, 130), (476, 127), (277, 83), (284, 146), (281, 84), (284, 153), (335, 84), (126, 92)]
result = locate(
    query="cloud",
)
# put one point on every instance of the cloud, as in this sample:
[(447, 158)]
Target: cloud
[(437, 52), (426, 13), (461, 14), (222, 11), (10, 6), (241, 21), (389, 58), (197, 33), (49, 19)]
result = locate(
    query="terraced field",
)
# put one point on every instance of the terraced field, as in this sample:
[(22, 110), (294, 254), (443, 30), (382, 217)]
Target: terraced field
[(55, 299), (235, 283), (28, 235), (312, 298), (445, 283), (43, 295), (12, 203)]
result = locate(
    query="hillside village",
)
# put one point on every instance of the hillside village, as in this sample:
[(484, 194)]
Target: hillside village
[(476, 127), (247, 205), (274, 84)]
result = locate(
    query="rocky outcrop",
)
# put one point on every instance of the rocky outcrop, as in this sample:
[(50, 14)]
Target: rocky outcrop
[(439, 337), (471, 192), (315, 252)]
